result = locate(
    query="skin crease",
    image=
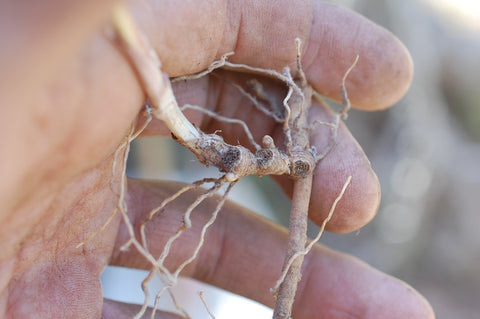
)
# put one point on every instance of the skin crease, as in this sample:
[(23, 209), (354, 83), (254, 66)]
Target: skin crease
[(69, 97)]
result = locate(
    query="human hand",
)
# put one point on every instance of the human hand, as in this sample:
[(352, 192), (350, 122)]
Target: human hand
[(69, 98)]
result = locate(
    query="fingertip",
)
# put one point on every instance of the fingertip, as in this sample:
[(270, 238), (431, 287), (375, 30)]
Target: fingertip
[(351, 288), (405, 302), (383, 73), (391, 71), (361, 199), (359, 203), (390, 297)]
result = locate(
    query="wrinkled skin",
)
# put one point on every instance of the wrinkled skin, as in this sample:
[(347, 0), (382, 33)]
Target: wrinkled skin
[(69, 97)]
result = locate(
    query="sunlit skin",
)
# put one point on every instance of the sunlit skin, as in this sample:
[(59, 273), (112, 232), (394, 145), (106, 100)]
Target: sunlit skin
[(69, 98)]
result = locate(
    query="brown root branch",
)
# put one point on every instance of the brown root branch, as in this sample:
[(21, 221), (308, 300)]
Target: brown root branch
[(236, 160), (225, 120)]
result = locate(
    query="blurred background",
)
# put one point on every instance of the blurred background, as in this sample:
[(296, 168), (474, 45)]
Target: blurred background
[(425, 150)]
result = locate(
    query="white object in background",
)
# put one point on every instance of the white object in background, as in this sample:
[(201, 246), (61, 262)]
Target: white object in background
[(123, 284)]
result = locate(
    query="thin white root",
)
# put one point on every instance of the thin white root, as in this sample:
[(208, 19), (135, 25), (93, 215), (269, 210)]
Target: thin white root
[(343, 113), (265, 72), (169, 112), (212, 67), (172, 280), (286, 126), (226, 120), (105, 224), (177, 305), (307, 249), (159, 295), (146, 294), (204, 230), (258, 105), (345, 101), (301, 74), (131, 136), (202, 297), (187, 221), (328, 124), (333, 139), (168, 200)]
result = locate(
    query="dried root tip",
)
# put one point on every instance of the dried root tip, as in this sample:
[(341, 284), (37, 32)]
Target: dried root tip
[(301, 164), (268, 142), (231, 177)]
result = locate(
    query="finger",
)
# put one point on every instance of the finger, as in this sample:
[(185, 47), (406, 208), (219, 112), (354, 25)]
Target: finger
[(94, 83), (243, 253), (120, 310), (37, 38), (384, 70), (350, 288), (262, 34)]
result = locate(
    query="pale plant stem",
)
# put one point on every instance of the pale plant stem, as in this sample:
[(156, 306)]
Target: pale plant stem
[(156, 85), (204, 230)]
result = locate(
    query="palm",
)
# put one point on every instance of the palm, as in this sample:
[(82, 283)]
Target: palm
[(56, 278)]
